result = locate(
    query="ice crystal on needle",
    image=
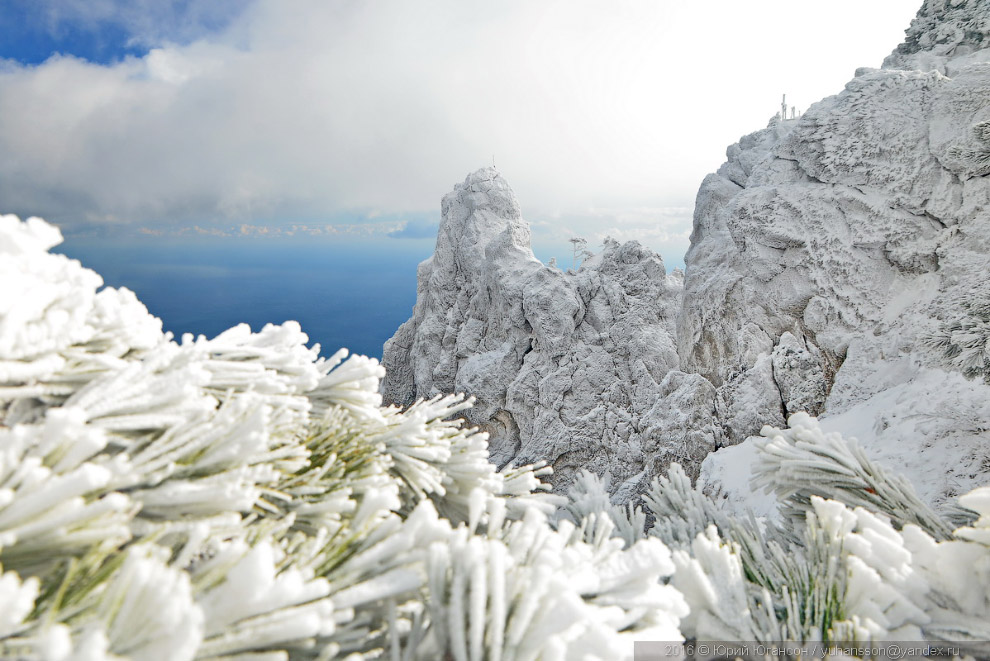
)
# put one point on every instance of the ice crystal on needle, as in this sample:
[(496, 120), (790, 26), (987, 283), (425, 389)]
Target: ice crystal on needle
[(241, 497)]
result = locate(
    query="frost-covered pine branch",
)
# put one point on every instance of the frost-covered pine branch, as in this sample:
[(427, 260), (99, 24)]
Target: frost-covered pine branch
[(241, 497), (802, 461), (963, 338), (841, 570), (588, 501), (529, 591)]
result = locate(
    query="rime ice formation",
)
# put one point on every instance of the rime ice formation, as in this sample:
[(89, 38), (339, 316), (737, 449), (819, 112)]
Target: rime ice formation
[(565, 366), (241, 497), (836, 268), (943, 31), (839, 253)]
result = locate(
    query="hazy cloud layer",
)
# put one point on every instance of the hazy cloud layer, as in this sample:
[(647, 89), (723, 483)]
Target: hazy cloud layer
[(247, 230), (416, 230), (301, 110), (667, 229)]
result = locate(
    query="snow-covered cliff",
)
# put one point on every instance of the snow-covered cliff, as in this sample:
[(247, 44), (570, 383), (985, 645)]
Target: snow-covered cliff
[(837, 267), (568, 367), (850, 244)]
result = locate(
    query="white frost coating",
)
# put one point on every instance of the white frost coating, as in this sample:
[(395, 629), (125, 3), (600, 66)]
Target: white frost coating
[(566, 367), (241, 497), (890, 570), (711, 579), (835, 259), (838, 261), (239, 615), (882, 588), (563, 597), (139, 623), (16, 601), (905, 584)]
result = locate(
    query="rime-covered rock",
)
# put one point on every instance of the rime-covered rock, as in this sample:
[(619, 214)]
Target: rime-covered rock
[(844, 252), (836, 267), (566, 367), (943, 30)]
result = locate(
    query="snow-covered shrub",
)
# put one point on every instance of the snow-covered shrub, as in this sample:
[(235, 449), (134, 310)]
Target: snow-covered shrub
[(588, 504), (856, 556), (240, 497), (570, 595), (964, 335), (800, 463), (213, 498)]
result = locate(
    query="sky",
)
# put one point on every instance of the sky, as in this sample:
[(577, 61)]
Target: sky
[(340, 117)]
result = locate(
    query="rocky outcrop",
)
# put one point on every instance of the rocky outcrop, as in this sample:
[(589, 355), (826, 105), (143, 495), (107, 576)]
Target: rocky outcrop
[(943, 31), (837, 267), (566, 366), (834, 250)]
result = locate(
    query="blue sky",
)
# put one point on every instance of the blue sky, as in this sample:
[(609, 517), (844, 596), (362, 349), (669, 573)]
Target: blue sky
[(29, 37), (106, 31), (267, 114)]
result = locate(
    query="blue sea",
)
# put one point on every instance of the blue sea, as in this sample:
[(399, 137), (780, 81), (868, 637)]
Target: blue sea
[(344, 293)]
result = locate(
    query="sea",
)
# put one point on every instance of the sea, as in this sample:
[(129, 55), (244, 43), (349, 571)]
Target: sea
[(351, 294)]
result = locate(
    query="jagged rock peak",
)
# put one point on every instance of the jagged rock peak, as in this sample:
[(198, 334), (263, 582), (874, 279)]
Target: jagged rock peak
[(566, 367), (484, 189), (944, 30), (473, 215)]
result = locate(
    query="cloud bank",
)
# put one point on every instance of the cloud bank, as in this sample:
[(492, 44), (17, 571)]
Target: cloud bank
[(296, 111), (416, 230)]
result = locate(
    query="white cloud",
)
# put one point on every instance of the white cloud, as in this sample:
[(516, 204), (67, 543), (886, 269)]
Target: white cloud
[(300, 110), (664, 229)]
